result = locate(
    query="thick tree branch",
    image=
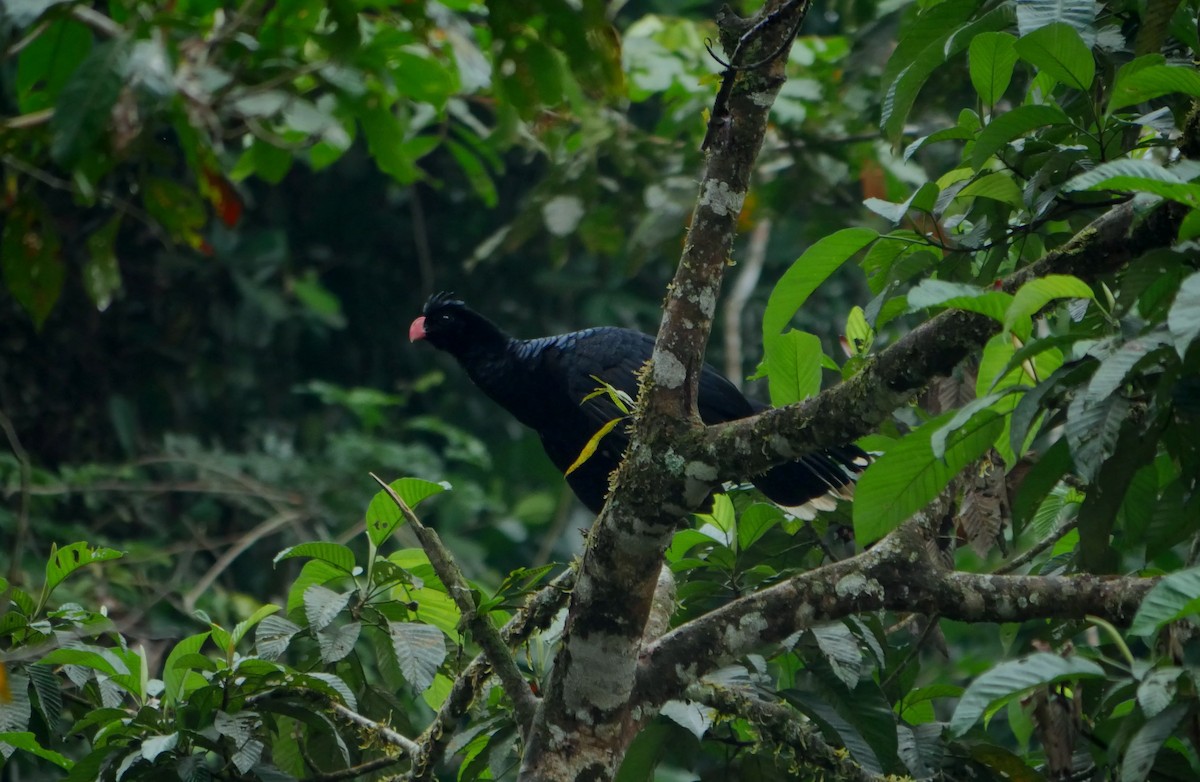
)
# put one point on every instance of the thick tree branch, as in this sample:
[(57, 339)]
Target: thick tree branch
[(898, 575), (584, 722), (857, 406)]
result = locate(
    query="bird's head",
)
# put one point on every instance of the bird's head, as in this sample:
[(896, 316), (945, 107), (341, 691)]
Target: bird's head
[(448, 324)]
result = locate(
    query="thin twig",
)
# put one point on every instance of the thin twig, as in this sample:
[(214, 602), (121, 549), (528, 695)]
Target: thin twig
[(1038, 548), (246, 541), (739, 294), (18, 544), (378, 728), (485, 633)]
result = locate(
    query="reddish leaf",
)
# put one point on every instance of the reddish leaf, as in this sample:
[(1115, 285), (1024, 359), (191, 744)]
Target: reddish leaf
[(223, 197)]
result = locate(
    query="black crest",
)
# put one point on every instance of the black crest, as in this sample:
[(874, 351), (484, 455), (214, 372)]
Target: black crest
[(442, 299)]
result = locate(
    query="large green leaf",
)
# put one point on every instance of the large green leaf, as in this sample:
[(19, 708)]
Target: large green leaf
[(1145, 744), (27, 742), (1058, 49), (1035, 294), (960, 295), (1144, 175), (1013, 679), (420, 650), (998, 186), (1153, 81), (793, 364), (386, 143), (335, 554), (383, 515), (1093, 429), (46, 65), (908, 475), (66, 560), (83, 109), (808, 272), (992, 58), (1173, 598), (175, 674), (1118, 365), (1183, 320), (1012, 125), (938, 35)]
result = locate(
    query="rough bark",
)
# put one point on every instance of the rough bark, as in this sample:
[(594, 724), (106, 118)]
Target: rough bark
[(606, 681)]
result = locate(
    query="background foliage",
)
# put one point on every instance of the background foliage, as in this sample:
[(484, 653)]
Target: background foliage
[(218, 219)]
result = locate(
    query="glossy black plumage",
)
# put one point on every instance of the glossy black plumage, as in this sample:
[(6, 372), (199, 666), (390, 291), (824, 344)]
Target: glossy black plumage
[(542, 382)]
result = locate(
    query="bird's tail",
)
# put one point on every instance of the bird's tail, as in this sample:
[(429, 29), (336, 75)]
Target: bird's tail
[(814, 482)]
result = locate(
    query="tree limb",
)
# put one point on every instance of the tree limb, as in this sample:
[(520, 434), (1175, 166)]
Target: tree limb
[(897, 574), (485, 633)]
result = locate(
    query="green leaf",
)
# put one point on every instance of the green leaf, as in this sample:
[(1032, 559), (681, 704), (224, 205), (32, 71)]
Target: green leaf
[(314, 572), (1143, 747), (1153, 81), (318, 299), (1183, 320), (985, 406), (998, 186), (334, 644), (420, 650), (175, 674), (322, 605), (1117, 366), (422, 78), (27, 742), (46, 65), (272, 636), (82, 112), (941, 293), (153, 746), (385, 141), (86, 658), (1173, 598), (242, 627), (808, 272), (1013, 679), (859, 333), (1012, 125), (1093, 429), (1144, 176), (31, 262), (66, 560), (919, 52), (908, 476), (335, 554), (383, 516), (475, 171), (1036, 294), (102, 272), (755, 522), (793, 365), (1058, 49), (992, 57)]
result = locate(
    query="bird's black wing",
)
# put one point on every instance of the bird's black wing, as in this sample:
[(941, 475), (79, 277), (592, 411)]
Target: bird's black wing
[(572, 367)]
